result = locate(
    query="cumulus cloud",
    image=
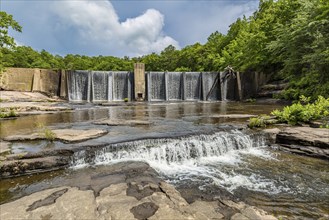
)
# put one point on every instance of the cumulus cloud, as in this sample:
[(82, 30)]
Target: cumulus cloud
[(98, 25)]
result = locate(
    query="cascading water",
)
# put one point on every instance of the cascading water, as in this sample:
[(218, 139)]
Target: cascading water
[(209, 82), (192, 157), (192, 86), (157, 88), (100, 86), (223, 85), (79, 85), (121, 86), (175, 85)]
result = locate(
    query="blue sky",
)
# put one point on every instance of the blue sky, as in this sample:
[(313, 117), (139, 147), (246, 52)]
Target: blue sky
[(121, 27)]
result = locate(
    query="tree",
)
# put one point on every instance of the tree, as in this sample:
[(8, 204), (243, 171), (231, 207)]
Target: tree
[(6, 41)]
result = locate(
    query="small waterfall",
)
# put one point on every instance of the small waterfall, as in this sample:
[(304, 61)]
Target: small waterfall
[(157, 86), (169, 151), (99, 86), (79, 86), (223, 85), (209, 82), (121, 86), (175, 85), (192, 86)]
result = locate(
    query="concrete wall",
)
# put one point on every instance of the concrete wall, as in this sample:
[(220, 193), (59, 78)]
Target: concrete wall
[(17, 79), (139, 81), (32, 80)]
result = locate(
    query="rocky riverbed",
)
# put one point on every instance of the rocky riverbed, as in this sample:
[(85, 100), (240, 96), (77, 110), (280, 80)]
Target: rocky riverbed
[(135, 190)]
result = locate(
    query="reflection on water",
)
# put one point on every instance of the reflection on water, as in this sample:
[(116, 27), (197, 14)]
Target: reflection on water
[(200, 113)]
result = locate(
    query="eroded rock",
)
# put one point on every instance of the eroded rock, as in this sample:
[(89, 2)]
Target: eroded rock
[(305, 140), (64, 135)]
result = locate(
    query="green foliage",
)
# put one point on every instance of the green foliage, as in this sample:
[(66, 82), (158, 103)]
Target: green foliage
[(125, 99), (286, 38), (6, 41), (4, 113), (260, 121), (299, 113), (46, 132)]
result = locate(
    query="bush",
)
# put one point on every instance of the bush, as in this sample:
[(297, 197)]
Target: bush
[(260, 121), (303, 113)]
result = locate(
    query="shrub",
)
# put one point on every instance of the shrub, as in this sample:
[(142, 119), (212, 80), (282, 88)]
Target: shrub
[(303, 113)]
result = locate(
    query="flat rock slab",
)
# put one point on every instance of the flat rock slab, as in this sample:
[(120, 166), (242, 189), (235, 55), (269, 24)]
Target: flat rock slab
[(4, 147), (13, 96), (113, 203), (64, 135), (111, 122), (305, 136), (233, 116)]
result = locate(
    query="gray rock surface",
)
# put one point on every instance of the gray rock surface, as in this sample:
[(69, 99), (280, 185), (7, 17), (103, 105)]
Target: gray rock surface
[(132, 192), (305, 140), (64, 135)]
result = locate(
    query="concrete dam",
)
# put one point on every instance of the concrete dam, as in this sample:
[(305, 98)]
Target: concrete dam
[(137, 85), (100, 86)]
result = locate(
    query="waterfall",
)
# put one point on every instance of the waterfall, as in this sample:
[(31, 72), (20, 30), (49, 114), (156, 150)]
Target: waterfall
[(175, 85), (156, 86), (99, 86), (79, 85), (223, 85), (209, 82), (193, 86), (121, 86), (169, 151)]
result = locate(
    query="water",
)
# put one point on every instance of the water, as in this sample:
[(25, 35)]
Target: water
[(193, 86), (209, 80), (156, 86), (79, 85), (175, 86), (190, 147), (99, 86), (104, 86)]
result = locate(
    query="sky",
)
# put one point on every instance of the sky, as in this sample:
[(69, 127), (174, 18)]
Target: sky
[(121, 27)]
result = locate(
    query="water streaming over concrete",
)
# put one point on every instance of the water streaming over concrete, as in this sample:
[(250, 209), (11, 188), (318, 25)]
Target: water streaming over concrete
[(103, 86)]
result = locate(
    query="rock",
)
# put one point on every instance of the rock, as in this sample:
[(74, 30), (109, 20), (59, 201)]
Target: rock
[(4, 147), (64, 135), (207, 208), (35, 165), (162, 200), (71, 135), (272, 133), (111, 122), (239, 216), (306, 136), (305, 140)]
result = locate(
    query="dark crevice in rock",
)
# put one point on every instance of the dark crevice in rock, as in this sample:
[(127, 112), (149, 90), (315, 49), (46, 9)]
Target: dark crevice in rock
[(144, 210), (139, 192), (47, 201)]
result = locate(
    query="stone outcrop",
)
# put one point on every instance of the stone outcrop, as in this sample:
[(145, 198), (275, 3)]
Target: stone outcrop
[(132, 192), (64, 135), (305, 140)]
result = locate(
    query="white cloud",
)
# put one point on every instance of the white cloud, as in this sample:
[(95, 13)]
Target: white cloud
[(98, 25)]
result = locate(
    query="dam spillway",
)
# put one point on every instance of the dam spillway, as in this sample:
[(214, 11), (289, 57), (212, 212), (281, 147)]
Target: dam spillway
[(108, 86)]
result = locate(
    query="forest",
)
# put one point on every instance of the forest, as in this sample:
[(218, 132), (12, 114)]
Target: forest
[(285, 38)]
